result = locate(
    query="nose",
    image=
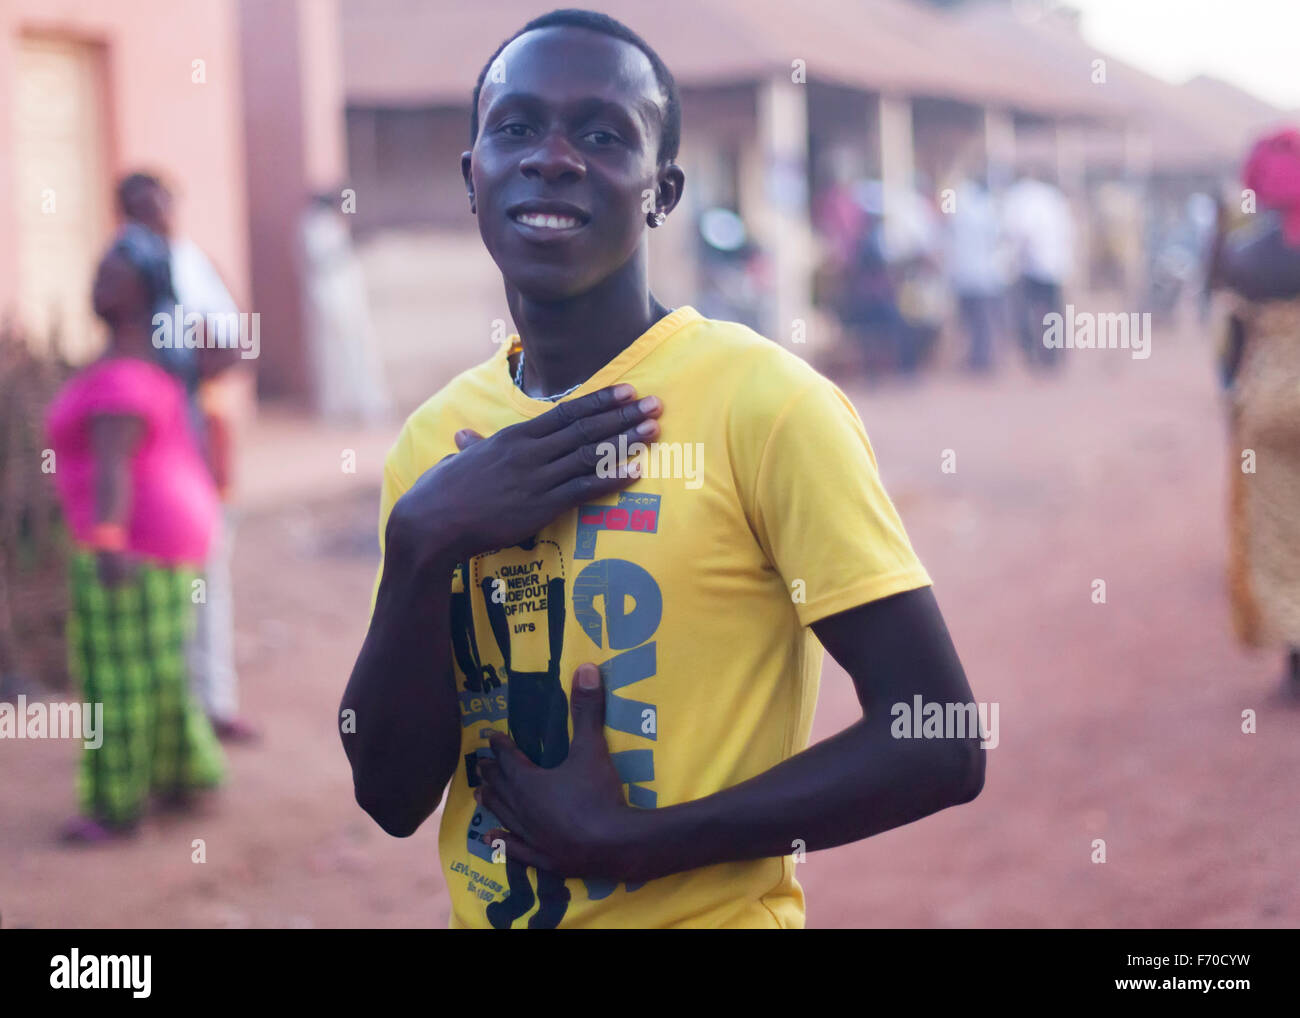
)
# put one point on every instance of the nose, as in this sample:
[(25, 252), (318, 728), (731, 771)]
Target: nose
[(553, 159)]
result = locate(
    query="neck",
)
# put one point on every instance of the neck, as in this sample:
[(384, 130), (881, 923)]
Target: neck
[(568, 341), (130, 339)]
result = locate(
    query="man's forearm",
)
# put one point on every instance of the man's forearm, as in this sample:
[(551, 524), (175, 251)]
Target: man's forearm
[(405, 742), (848, 787)]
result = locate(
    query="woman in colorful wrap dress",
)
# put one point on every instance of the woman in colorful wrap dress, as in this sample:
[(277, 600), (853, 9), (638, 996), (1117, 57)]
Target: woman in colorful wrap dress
[(141, 508), (1260, 263)]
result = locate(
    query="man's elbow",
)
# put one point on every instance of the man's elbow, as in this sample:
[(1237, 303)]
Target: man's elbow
[(396, 820), (966, 777)]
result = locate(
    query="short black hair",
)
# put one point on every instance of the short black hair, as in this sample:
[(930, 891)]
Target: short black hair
[(132, 185), (572, 17)]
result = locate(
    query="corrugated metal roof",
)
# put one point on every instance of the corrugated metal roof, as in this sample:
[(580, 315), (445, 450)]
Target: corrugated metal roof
[(1202, 125), (399, 52)]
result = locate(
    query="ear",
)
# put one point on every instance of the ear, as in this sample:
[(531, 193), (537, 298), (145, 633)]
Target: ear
[(671, 182), (467, 171)]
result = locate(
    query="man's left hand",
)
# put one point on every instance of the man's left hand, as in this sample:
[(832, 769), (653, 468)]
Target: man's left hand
[(572, 820)]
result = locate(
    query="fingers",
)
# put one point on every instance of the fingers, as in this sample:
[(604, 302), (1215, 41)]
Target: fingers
[(572, 410), (517, 850), (587, 703), (495, 797), (506, 755), (564, 447), (496, 790), (594, 428), (467, 437), (596, 456), (589, 487)]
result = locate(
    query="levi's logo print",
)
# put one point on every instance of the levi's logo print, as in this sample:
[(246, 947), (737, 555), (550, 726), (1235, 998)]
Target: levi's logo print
[(508, 613)]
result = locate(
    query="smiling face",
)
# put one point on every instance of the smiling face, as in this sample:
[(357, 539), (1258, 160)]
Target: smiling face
[(566, 149)]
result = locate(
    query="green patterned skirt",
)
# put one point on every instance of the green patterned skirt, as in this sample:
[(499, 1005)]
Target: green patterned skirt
[(126, 648)]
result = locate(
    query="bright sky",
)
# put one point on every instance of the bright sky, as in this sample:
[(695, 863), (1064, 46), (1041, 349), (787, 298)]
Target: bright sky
[(1254, 44)]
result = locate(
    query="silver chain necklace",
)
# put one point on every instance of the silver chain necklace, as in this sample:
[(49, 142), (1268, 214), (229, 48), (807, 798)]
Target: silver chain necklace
[(519, 382)]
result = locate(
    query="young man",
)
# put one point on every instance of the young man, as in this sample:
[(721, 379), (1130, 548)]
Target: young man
[(675, 615)]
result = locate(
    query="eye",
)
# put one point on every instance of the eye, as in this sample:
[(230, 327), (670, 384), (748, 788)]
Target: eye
[(514, 129), (602, 137)]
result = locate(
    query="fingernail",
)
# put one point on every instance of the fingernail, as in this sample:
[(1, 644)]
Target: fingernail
[(624, 391), (647, 427), (589, 677), (648, 404)]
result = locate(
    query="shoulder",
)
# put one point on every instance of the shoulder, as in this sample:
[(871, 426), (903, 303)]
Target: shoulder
[(764, 390), (118, 386), (131, 377), (755, 371), (767, 380)]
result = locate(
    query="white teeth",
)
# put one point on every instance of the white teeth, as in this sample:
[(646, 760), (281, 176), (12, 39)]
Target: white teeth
[(545, 221)]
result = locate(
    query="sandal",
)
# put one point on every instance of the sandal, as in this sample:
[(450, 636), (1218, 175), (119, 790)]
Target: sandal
[(88, 831)]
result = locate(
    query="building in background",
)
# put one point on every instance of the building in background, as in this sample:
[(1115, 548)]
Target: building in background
[(770, 102), (237, 104), (293, 137), (251, 107), (90, 91)]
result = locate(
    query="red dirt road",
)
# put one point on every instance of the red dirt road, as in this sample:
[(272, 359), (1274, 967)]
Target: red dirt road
[(1120, 721)]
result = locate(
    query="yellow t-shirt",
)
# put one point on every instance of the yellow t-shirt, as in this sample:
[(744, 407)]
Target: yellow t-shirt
[(693, 590)]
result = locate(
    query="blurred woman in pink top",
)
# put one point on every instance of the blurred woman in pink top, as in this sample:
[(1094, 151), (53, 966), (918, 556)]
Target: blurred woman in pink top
[(142, 509)]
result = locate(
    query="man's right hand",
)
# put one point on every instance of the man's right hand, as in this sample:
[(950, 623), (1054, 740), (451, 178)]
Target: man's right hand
[(500, 490)]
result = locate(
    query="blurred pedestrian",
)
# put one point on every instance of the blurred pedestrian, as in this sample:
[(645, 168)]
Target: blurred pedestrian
[(142, 510), (349, 376), (912, 247), (866, 299), (1260, 263), (1040, 228), (975, 272), (211, 377)]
